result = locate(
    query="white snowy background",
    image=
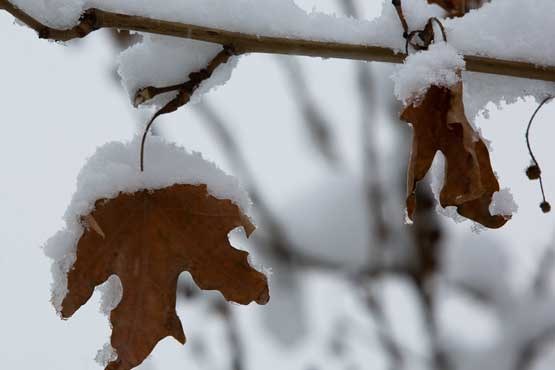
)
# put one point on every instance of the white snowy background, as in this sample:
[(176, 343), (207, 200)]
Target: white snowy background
[(58, 103)]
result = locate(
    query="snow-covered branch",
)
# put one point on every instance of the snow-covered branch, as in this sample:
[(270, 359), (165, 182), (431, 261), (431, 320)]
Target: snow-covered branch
[(94, 19)]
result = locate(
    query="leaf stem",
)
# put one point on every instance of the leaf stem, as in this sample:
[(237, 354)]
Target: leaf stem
[(534, 160)]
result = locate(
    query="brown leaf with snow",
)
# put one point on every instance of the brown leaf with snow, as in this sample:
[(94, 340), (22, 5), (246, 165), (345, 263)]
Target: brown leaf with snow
[(147, 239), (439, 124)]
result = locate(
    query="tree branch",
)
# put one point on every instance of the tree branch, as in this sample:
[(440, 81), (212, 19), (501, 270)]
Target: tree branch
[(533, 348), (314, 119), (94, 19), (387, 340)]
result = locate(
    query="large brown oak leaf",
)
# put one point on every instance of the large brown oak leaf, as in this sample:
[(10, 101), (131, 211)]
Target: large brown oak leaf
[(147, 239), (439, 124)]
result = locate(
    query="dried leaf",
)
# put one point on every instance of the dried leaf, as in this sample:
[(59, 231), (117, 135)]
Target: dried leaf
[(458, 8), (439, 123), (147, 239)]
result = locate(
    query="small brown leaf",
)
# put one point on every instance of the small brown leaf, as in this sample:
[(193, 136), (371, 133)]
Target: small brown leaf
[(458, 8), (439, 123), (147, 239)]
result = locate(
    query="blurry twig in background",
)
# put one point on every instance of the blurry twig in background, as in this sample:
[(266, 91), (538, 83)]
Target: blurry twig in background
[(427, 234), (545, 269), (313, 117), (387, 340), (233, 335), (531, 351), (275, 237), (379, 230)]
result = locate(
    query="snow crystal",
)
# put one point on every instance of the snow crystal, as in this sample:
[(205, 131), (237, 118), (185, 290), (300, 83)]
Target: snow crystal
[(112, 292), (503, 203), (481, 89), (106, 355), (440, 65), (436, 184), (113, 169), (54, 13), (508, 29), (517, 37), (163, 61), (474, 33)]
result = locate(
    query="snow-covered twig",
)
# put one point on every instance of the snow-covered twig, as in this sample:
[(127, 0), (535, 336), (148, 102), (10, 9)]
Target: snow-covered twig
[(94, 19), (184, 92)]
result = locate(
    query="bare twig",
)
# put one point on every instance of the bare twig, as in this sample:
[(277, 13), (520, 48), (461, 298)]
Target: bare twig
[(427, 236), (379, 232), (387, 340), (237, 349), (374, 190), (534, 171), (544, 270), (94, 19), (314, 118), (530, 352)]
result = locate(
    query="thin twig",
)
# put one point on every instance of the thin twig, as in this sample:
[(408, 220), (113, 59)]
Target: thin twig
[(385, 336), (544, 270), (379, 232), (275, 236), (399, 8), (544, 205), (427, 237), (530, 351), (238, 353), (94, 19), (313, 117), (185, 91)]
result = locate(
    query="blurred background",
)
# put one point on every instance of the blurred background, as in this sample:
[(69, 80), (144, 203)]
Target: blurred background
[(319, 147)]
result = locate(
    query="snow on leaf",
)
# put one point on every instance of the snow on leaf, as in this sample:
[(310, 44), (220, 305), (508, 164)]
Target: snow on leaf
[(148, 238), (440, 124), (440, 65)]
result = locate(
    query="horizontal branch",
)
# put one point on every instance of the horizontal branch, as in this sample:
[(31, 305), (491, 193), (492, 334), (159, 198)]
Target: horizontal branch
[(94, 19)]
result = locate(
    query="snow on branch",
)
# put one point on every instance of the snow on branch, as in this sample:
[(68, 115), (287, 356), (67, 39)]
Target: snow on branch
[(301, 42)]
